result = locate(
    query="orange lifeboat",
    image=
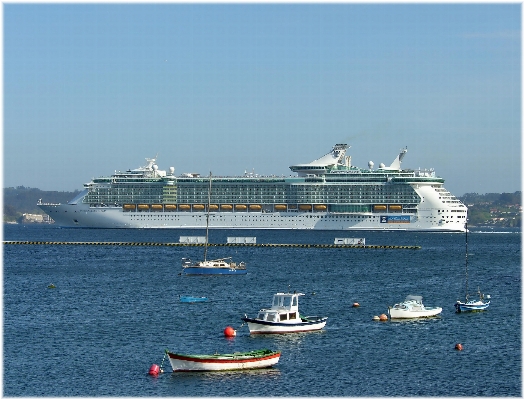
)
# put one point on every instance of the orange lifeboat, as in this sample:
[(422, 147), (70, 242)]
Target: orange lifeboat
[(184, 207), (170, 207), (156, 207), (213, 207), (226, 207), (240, 207), (143, 206), (320, 207), (280, 207), (198, 207), (395, 207), (379, 207), (305, 207), (255, 207), (129, 207)]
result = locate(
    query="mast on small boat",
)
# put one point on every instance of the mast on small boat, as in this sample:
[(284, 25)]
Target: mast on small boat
[(471, 305), (207, 217), (467, 294)]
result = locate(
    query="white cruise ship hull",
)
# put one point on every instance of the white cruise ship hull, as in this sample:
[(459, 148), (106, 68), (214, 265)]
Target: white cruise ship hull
[(82, 216)]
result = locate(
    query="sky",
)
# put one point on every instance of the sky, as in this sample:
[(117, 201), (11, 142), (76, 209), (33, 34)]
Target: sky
[(228, 88)]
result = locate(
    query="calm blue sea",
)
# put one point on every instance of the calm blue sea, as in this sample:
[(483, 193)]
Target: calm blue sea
[(115, 309)]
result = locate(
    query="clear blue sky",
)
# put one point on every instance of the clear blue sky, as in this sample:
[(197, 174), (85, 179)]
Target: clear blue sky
[(90, 88)]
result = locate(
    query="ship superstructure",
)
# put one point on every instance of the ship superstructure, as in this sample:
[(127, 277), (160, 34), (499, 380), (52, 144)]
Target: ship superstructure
[(327, 194)]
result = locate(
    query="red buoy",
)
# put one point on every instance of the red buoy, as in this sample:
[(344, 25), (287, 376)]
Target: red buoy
[(458, 347), (229, 332), (154, 370)]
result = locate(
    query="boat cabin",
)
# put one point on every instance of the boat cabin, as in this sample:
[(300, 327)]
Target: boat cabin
[(284, 309)]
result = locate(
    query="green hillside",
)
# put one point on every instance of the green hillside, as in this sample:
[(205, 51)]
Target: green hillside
[(20, 200)]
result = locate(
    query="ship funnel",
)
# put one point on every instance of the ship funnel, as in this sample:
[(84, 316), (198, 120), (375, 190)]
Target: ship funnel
[(396, 163)]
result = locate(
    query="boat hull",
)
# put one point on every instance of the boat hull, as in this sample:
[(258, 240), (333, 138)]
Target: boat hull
[(266, 327), (472, 306), (242, 361), (413, 314), (212, 271), (81, 215), (193, 299)]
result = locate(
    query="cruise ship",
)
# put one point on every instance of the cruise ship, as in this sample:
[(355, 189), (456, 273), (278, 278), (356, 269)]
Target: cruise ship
[(326, 194)]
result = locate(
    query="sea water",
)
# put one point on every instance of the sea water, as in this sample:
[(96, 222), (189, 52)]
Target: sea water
[(115, 310)]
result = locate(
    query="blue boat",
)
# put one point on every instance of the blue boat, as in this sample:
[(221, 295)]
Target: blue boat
[(192, 299), (217, 266), (471, 305)]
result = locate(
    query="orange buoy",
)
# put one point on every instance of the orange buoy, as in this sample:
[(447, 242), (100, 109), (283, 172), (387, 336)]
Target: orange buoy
[(458, 347), (356, 305), (154, 369), (229, 332), (383, 317)]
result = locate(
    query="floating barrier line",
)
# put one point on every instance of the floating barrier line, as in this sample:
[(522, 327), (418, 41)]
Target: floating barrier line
[(183, 244)]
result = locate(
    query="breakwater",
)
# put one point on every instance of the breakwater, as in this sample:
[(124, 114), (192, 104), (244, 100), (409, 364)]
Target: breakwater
[(170, 244)]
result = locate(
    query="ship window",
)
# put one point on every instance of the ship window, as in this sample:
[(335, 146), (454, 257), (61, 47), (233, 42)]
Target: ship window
[(295, 301), (292, 316), (272, 317), (262, 316), (283, 316)]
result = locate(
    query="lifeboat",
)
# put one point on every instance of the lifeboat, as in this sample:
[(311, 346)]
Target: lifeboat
[(213, 207), (395, 207), (198, 207), (170, 207), (280, 207), (129, 207), (143, 206), (184, 207), (305, 207), (226, 207), (156, 207), (320, 207), (240, 207), (379, 207), (255, 207)]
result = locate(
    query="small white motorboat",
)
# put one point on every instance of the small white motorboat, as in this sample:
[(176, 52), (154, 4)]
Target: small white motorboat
[(223, 362), (412, 308), (283, 317)]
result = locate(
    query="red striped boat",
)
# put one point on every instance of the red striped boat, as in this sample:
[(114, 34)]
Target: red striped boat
[(256, 359)]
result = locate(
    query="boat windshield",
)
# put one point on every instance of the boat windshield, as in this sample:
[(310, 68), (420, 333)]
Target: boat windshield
[(416, 298)]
